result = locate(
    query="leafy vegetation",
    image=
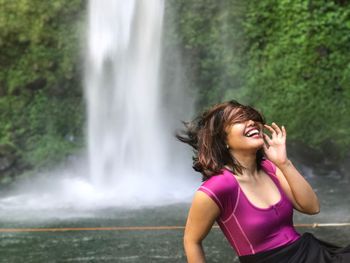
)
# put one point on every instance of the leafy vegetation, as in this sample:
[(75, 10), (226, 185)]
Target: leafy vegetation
[(40, 91), (298, 68), (290, 59), (212, 39)]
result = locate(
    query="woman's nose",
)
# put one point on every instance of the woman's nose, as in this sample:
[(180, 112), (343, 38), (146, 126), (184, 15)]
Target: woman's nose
[(250, 122)]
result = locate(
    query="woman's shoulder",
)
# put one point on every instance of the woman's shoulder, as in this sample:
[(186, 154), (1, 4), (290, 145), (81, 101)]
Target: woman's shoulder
[(224, 181), (222, 189), (268, 166)]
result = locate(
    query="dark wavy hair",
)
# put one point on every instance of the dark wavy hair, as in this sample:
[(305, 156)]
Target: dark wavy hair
[(207, 136)]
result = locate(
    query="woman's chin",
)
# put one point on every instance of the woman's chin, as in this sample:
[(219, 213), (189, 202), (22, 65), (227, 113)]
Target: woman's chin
[(258, 144)]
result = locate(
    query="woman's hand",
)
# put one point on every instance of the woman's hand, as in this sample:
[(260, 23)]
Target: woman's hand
[(275, 147), (293, 183)]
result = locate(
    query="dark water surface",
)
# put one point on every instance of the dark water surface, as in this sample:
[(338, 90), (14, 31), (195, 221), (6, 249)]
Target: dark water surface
[(145, 245)]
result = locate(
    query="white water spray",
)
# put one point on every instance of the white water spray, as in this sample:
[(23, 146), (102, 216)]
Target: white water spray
[(128, 135), (133, 158), (125, 126)]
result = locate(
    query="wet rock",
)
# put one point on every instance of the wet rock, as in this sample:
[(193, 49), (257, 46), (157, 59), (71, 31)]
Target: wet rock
[(311, 162), (8, 158), (36, 84), (345, 166), (2, 89)]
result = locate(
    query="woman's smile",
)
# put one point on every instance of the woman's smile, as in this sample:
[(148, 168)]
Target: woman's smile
[(250, 130), (253, 132)]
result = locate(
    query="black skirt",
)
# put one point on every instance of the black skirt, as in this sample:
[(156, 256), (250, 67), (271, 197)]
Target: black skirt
[(307, 249)]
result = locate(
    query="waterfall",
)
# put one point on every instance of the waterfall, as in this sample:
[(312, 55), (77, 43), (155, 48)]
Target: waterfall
[(133, 158), (128, 142)]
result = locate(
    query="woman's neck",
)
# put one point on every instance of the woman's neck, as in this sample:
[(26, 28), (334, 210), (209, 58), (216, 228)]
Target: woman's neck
[(248, 161)]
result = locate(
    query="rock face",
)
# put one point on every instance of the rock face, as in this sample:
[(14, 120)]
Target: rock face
[(8, 159), (326, 162)]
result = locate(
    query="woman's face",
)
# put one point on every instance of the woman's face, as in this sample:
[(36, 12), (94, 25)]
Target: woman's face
[(247, 135)]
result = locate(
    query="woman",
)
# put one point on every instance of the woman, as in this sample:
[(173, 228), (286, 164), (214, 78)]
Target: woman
[(250, 188)]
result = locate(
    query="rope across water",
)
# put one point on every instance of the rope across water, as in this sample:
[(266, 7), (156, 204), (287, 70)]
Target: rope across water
[(142, 228)]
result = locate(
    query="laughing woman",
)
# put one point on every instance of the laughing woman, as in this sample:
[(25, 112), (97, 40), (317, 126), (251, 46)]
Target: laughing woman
[(250, 189)]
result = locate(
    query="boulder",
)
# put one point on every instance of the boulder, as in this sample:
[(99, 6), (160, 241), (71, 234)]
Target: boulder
[(8, 157)]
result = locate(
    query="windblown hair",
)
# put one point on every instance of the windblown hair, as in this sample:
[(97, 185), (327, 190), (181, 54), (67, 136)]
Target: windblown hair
[(207, 136)]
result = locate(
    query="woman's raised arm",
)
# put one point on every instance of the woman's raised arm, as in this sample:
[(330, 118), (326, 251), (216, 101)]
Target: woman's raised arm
[(293, 183), (201, 217)]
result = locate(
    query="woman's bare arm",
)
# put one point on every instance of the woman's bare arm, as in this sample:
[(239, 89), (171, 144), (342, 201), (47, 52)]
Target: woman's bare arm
[(298, 189), (293, 183), (201, 218)]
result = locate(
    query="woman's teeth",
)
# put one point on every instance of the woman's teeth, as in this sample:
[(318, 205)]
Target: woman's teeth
[(252, 133)]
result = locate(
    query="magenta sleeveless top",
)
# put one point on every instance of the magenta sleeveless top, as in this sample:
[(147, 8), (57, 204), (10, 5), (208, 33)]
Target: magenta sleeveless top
[(248, 228)]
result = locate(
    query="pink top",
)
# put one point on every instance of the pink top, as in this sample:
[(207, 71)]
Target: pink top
[(248, 228)]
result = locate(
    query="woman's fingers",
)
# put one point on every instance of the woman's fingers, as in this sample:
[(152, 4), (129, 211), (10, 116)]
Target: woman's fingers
[(268, 141), (267, 138), (270, 129), (266, 147), (284, 131), (276, 130)]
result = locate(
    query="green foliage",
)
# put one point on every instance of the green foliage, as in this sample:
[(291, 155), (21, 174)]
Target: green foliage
[(39, 41), (288, 58), (40, 92), (211, 38), (298, 68)]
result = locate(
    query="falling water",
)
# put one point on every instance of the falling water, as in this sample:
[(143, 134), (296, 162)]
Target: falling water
[(122, 89), (127, 132), (133, 158)]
